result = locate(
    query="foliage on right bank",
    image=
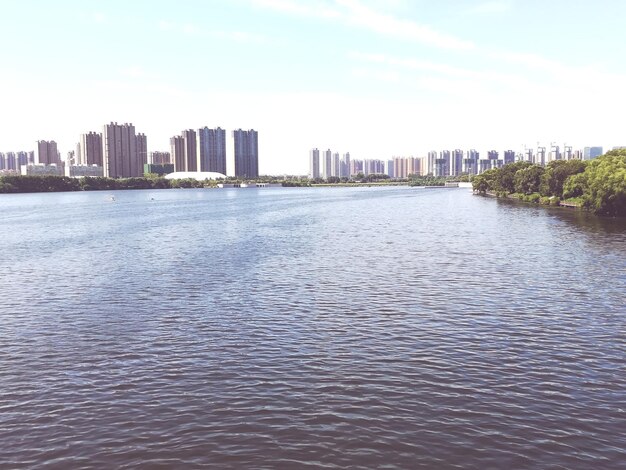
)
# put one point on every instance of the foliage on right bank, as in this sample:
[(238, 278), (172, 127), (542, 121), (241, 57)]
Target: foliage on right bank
[(598, 185)]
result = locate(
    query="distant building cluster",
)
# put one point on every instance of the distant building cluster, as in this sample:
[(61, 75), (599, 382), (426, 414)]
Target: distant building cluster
[(439, 163), (120, 152)]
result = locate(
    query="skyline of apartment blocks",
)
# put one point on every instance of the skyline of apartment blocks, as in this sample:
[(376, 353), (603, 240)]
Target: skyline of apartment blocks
[(212, 150), (13, 161), (246, 152), (46, 153), (121, 157)]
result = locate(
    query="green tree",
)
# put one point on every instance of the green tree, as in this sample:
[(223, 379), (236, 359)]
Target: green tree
[(527, 180), (603, 184), (505, 177), (555, 175)]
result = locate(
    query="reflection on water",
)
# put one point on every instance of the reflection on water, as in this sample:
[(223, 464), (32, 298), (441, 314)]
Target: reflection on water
[(286, 328)]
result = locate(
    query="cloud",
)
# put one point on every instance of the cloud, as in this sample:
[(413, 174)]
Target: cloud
[(492, 7), (310, 9), (194, 30), (358, 14)]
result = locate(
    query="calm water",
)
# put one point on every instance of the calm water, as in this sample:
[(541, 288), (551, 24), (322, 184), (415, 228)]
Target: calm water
[(306, 328)]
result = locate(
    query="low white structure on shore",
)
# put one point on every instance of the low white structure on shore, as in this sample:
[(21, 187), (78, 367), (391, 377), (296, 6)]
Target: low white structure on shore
[(196, 175)]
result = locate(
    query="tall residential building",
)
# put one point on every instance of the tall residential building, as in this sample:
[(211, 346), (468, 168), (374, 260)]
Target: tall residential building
[(509, 157), (246, 153), (212, 150), (540, 157), (314, 163), (159, 158), (142, 149), (46, 152), (22, 159), (470, 162), (177, 145), (493, 157), (345, 165), (390, 169), (11, 161), (430, 165), (555, 153), (191, 150), (356, 167), (327, 163), (373, 167), (90, 149), (336, 165), (567, 152), (529, 156), (589, 153), (456, 162), (484, 164), (120, 157)]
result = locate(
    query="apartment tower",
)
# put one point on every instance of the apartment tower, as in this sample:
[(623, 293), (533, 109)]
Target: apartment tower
[(212, 149), (246, 151), (120, 156)]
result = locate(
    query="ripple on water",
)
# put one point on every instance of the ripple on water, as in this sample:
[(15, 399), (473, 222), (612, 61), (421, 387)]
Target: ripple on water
[(347, 328)]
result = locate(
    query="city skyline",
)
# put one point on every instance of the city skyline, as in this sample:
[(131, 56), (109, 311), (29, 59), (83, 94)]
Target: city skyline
[(380, 78)]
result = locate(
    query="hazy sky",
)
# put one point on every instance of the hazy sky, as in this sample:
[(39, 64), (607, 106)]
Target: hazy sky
[(377, 78)]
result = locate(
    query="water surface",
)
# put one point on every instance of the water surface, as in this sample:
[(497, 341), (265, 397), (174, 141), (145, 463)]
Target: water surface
[(308, 328)]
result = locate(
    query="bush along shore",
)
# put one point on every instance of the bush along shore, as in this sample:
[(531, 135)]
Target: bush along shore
[(598, 186)]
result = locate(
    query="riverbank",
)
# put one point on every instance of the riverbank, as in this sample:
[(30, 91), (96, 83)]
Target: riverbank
[(597, 186), (537, 199)]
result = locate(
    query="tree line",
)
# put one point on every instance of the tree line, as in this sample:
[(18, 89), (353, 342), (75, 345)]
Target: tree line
[(598, 185), (52, 183)]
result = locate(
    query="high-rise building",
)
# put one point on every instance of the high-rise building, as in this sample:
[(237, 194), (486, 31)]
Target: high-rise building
[(470, 162), (589, 153), (484, 164), (142, 149), (336, 165), (120, 157), (22, 159), (509, 157), (356, 167), (345, 165), (430, 165), (493, 157), (159, 158), (327, 163), (90, 149), (529, 156), (540, 157), (555, 153), (11, 161), (390, 169), (191, 150), (212, 150), (373, 167), (177, 145), (314, 163), (456, 162), (46, 153), (246, 153)]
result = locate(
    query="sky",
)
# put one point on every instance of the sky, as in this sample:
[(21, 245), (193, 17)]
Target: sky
[(376, 78)]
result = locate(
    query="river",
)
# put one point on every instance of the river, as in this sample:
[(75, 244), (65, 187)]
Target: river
[(309, 328)]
